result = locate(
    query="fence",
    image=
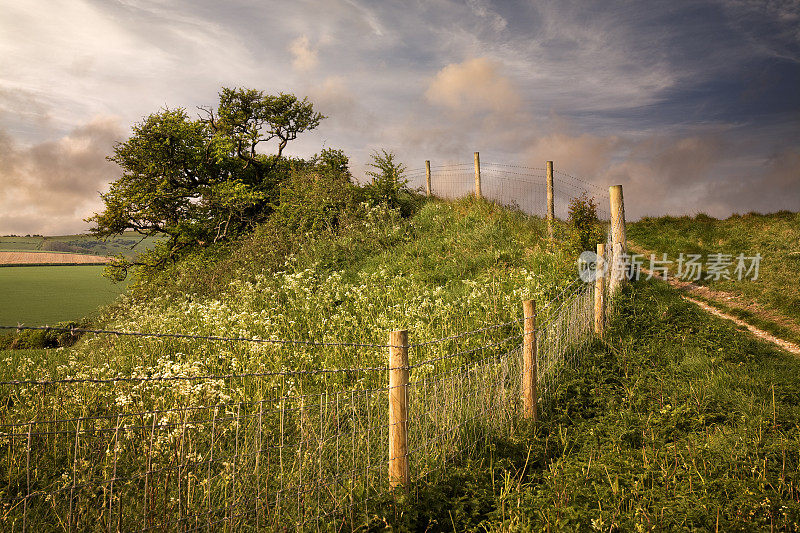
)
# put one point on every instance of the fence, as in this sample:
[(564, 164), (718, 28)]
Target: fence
[(278, 450)]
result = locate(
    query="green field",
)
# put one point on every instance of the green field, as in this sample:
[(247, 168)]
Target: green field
[(128, 244), (49, 294)]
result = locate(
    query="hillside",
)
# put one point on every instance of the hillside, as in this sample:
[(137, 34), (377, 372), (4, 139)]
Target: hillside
[(772, 301), (129, 244), (452, 267), (673, 420)]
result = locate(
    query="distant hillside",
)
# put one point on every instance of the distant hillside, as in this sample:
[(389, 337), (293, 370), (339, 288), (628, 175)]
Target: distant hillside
[(129, 244)]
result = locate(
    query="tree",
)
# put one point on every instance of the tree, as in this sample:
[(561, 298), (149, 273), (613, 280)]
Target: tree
[(198, 182)]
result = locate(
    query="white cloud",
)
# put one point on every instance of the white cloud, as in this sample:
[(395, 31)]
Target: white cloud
[(474, 85), (303, 54)]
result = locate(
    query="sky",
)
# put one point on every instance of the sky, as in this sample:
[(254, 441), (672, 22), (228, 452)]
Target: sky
[(692, 106)]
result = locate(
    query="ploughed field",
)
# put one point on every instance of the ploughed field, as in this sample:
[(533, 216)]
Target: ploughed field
[(49, 258)]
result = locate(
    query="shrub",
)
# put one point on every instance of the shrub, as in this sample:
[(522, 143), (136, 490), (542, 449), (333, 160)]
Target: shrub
[(585, 228), (389, 185)]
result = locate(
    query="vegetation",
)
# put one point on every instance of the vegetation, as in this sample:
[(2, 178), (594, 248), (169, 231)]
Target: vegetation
[(775, 237), (200, 182), (585, 229), (49, 294), (449, 268), (681, 423)]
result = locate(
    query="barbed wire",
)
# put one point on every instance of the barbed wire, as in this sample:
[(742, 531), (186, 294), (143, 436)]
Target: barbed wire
[(197, 337)]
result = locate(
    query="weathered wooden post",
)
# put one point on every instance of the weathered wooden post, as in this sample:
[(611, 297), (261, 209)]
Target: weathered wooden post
[(477, 175), (530, 392), (599, 290), (618, 241), (398, 409), (551, 209), (428, 177)]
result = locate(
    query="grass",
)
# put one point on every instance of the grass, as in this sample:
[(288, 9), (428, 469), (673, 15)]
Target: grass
[(683, 423), (128, 244), (48, 294), (680, 422), (451, 268), (774, 236)]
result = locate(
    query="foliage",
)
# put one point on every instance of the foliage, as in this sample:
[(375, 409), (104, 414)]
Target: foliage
[(389, 185), (585, 228), (39, 338), (199, 182)]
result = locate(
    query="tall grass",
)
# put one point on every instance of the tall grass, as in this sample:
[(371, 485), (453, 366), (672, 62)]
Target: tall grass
[(452, 268)]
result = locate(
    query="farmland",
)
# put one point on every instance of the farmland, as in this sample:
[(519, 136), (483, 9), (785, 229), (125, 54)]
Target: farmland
[(45, 280), (128, 244), (49, 294), (49, 258)]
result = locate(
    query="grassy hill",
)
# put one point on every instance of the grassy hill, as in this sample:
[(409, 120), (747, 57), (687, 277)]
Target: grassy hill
[(675, 420), (450, 268), (773, 300)]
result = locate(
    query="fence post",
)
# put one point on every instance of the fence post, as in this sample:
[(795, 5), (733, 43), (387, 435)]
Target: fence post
[(530, 392), (428, 177), (618, 241), (398, 409), (551, 210), (477, 175), (599, 290)]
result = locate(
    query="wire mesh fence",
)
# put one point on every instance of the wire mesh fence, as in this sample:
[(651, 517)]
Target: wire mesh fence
[(274, 450)]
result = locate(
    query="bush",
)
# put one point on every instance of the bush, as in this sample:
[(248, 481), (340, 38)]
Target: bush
[(42, 338), (585, 228), (389, 185)]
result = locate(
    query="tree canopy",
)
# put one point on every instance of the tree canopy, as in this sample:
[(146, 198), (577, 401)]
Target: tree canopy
[(201, 181)]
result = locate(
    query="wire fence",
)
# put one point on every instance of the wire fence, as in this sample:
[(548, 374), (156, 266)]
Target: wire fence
[(520, 186), (278, 450)]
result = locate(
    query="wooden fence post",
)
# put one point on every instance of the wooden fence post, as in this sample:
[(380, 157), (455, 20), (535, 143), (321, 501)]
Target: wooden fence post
[(551, 210), (599, 290), (398, 409), (477, 175), (618, 241), (530, 392), (428, 177)]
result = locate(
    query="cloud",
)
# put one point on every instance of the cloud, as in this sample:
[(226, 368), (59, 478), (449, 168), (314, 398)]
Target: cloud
[(304, 56), (474, 85), (51, 186)]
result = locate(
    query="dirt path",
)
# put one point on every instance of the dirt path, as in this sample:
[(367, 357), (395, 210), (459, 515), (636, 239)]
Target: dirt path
[(760, 333), (730, 300)]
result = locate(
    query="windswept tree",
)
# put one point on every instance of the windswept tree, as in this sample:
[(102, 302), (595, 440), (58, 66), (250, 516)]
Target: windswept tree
[(200, 181)]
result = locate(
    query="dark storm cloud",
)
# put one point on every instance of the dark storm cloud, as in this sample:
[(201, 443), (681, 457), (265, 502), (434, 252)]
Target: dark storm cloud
[(53, 185)]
